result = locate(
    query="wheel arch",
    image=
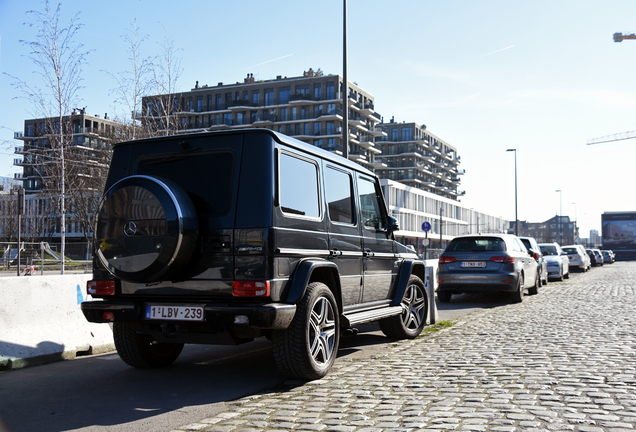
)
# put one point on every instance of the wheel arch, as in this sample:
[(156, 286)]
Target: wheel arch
[(408, 267), (312, 270)]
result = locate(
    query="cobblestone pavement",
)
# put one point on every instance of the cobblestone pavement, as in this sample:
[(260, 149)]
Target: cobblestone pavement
[(564, 359)]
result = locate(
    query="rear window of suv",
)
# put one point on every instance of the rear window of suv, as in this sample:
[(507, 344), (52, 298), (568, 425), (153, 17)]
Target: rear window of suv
[(206, 177), (480, 244), (571, 251)]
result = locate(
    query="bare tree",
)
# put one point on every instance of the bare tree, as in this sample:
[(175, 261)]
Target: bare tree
[(58, 59), (132, 85), (166, 106)]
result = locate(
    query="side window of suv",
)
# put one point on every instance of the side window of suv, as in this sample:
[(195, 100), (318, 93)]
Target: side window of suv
[(338, 187), (369, 206), (298, 187)]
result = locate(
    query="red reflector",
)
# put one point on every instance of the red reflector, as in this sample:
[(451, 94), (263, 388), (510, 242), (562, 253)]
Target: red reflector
[(507, 281), (446, 259), (108, 316), (503, 259), (100, 287), (250, 288)]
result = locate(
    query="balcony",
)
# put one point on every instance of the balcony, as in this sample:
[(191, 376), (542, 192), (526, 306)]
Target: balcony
[(18, 135)]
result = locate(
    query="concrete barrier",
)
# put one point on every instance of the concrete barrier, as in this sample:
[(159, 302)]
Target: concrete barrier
[(41, 321)]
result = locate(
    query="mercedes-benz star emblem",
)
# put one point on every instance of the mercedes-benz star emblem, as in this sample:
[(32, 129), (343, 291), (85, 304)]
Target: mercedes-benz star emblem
[(130, 228)]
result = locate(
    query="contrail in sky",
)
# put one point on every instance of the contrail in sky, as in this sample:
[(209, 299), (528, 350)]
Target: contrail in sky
[(269, 61), (499, 50)]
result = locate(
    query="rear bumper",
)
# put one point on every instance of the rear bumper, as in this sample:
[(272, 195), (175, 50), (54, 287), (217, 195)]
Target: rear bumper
[(465, 283), (275, 316)]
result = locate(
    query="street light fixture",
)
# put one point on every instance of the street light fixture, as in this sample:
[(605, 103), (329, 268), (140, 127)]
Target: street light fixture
[(516, 218), (560, 215)]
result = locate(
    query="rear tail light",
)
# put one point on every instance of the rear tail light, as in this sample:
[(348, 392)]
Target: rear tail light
[(536, 256), (503, 259), (446, 259), (250, 288), (100, 287)]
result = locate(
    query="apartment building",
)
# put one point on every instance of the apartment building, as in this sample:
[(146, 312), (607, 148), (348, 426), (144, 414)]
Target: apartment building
[(89, 139), (90, 136), (309, 108), (560, 229), (414, 156)]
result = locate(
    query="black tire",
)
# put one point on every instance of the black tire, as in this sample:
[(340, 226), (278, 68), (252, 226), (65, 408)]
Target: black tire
[(138, 350), (517, 296), (308, 348), (410, 323), (444, 296), (561, 275), (146, 230), (535, 289), (567, 275)]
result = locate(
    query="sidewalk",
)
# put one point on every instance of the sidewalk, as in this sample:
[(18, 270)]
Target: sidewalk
[(564, 359)]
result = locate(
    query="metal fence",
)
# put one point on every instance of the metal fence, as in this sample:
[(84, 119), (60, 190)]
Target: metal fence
[(43, 258)]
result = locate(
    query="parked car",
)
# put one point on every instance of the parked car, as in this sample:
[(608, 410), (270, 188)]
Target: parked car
[(608, 256), (223, 237), (578, 257), (596, 256), (531, 244), (558, 262), (487, 263)]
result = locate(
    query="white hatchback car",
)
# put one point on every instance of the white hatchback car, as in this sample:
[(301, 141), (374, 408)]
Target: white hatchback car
[(578, 257), (558, 262)]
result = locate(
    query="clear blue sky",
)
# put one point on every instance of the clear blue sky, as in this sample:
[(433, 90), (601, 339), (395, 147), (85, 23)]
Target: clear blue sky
[(542, 77)]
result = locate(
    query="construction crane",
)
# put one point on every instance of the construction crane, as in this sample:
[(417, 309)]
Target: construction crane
[(613, 137), (618, 37)]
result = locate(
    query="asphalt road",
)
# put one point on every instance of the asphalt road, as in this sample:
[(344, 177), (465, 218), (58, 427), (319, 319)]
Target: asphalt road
[(101, 393)]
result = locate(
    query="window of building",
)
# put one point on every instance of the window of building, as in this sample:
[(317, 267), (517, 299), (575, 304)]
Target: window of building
[(253, 116), (283, 95), (318, 143), (283, 114), (406, 134), (331, 108), (317, 91), (331, 90), (331, 129), (200, 104), (317, 111), (241, 118), (298, 187), (190, 105), (306, 129), (228, 100), (394, 134), (302, 90), (227, 119), (338, 187), (269, 97), (256, 97), (209, 103), (317, 128), (219, 103), (304, 112), (331, 144)]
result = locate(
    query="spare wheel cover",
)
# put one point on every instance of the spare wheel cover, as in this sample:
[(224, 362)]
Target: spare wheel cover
[(146, 229)]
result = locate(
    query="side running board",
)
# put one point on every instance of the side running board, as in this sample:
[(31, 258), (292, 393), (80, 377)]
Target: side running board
[(369, 315)]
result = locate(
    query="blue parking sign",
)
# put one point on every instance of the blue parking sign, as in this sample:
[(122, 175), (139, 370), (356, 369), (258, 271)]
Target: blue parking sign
[(426, 226)]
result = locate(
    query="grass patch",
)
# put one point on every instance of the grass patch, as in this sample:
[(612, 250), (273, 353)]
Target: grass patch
[(439, 326)]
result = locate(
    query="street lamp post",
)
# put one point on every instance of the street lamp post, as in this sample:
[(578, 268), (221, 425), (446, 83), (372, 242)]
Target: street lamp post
[(560, 215), (516, 217)]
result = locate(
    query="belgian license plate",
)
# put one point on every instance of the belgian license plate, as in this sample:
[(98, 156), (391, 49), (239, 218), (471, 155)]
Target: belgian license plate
[(473, 264), (174, 313)]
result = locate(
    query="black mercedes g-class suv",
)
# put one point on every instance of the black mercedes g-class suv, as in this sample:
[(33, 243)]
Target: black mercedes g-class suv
[(223, 237)]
